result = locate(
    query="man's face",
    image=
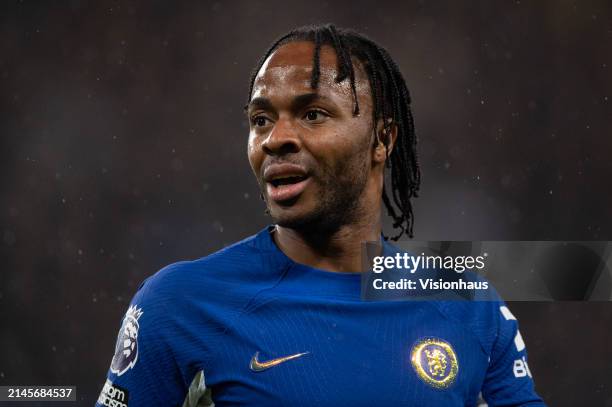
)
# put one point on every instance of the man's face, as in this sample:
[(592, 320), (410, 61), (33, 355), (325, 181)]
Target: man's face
[(311, 156)]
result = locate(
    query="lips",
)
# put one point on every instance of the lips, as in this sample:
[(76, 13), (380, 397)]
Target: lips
[(285, 182)]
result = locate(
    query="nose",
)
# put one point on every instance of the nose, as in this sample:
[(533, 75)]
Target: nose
[(283, 139)]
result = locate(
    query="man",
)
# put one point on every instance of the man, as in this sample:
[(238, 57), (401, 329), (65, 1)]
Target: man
[(277, 319)]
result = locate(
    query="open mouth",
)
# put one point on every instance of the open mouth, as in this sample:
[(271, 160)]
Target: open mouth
[(288, 180), (285, 182), (286, 189)]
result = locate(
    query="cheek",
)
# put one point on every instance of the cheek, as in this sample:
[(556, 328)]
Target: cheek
[(343, 148), (254, 153)]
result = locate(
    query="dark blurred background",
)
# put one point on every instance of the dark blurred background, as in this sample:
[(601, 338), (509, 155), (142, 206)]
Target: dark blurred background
[(123, 149)]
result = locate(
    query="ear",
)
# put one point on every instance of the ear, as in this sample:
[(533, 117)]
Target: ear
[(384, 140)]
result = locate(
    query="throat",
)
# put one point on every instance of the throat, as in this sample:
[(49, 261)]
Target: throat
[(337, 252)]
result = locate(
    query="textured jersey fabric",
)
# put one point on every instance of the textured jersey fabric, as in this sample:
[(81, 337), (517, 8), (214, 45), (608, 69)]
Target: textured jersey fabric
[(247, 326)]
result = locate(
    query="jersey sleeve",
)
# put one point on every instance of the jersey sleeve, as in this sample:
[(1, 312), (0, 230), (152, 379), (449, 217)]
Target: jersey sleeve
[(143, 370), (508, 381)]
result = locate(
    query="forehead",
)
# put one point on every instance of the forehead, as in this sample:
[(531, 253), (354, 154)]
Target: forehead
[(289, 70)]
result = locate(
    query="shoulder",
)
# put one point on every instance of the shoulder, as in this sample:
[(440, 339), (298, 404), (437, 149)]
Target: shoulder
[(226, 263), (235, 270), (481, 318)]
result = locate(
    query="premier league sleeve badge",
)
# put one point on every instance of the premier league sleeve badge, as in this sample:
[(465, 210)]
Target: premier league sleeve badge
[(126, 348)]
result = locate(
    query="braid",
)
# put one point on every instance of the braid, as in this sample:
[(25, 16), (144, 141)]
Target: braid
[(343, 56), (391, 104), (316, 70)]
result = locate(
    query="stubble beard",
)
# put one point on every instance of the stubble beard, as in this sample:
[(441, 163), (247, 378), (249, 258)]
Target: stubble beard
[(339, 203)]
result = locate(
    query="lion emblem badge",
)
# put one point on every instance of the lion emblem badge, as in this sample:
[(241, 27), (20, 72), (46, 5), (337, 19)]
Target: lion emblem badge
[(435, 362), (126, 349)]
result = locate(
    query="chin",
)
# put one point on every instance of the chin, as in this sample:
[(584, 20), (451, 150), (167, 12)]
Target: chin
[(313, 221), (290, 218)]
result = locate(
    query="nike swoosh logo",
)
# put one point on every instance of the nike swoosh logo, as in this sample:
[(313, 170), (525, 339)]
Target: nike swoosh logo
[(258, 366)]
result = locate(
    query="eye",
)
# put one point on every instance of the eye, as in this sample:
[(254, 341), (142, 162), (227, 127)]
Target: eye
[(315, 115), (259, 121)]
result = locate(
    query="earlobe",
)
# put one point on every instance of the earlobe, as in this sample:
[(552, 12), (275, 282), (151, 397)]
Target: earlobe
[(384, 141), (380, 149)]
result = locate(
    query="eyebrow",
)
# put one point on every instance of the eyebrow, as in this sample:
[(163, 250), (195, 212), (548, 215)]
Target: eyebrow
[(258, 103), (298, 102)]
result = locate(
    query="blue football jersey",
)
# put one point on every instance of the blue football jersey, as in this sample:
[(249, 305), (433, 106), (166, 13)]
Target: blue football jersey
[(247, 326)]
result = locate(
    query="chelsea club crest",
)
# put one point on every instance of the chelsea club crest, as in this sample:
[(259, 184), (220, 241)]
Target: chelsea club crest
[(126, 349), (435, 362)]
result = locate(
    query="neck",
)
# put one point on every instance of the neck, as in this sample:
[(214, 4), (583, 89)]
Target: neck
[(337, 251)]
